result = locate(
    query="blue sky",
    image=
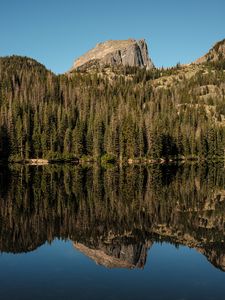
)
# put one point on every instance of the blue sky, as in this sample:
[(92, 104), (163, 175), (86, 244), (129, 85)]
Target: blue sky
[(55, 32)]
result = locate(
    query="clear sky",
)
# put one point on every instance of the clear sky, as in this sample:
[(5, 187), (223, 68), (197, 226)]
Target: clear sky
[(55, 32)]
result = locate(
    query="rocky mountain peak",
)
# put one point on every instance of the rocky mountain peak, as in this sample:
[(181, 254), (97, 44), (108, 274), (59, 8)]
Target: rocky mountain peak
[(129, 52), (116, 254), (216, 53)]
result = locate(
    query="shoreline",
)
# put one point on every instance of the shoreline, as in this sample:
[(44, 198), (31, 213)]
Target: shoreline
[(141, 161)]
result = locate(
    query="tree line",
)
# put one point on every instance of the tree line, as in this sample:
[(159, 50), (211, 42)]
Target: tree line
[(93, 115)]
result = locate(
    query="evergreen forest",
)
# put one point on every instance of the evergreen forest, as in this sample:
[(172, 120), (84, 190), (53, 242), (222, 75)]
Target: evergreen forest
[(111, 114)]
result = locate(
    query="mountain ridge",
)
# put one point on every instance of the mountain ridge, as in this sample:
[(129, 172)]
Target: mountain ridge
[(129, 52), (85, 61), (216, 53)]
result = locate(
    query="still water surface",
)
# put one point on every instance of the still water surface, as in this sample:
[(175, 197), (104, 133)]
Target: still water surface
[(68, 232)]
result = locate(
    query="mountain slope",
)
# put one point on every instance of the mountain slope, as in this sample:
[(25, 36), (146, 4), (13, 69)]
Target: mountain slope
[(215, 54), (130, 52), (116, 113)]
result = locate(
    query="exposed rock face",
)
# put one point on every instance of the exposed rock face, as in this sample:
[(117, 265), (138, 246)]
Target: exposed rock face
[(130, 52), (134, 255), (117, 255), (215, 257), (216, 53)]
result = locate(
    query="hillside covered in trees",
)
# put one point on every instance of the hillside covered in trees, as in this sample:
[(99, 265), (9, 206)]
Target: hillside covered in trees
[(117, 113)]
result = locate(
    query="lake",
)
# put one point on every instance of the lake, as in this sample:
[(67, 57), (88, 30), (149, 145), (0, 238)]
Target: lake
[(131, 232)]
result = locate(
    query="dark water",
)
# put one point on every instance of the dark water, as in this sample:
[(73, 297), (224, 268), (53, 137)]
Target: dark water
[(70, 232)]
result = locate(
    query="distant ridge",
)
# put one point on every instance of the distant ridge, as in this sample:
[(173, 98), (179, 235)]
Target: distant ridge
[(216, 53), (129, 52)]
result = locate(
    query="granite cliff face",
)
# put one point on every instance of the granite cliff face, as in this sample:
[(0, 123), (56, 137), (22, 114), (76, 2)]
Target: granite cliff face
[(216, 53), (129, 52), (117, 253), (134, 256)]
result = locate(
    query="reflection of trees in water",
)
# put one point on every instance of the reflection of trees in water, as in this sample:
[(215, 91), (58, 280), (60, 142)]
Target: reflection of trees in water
[(115, 209), (4, 179)]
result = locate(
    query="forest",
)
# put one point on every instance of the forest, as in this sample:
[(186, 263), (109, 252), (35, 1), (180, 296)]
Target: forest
[(130, 114)]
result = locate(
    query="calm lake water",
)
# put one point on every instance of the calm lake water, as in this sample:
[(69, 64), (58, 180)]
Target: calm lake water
[(72, 232)]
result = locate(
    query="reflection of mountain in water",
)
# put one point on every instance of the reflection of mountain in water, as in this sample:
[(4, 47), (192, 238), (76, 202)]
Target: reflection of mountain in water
[(113, 216), (117, 254)]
